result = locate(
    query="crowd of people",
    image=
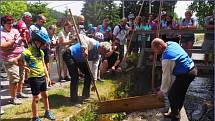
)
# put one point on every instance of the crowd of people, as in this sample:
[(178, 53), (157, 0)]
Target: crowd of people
[(28, 50)]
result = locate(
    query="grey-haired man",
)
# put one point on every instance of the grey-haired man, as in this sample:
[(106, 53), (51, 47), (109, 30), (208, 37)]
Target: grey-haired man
[(75, 58)]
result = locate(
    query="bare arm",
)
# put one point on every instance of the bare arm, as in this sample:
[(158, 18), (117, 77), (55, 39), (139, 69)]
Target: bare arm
[(5, 45), (17, 60), (46, 73)]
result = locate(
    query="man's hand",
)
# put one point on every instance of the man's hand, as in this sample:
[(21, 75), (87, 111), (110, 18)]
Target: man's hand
[(113, 68), (93, 88), (85, 53), (160, 94)]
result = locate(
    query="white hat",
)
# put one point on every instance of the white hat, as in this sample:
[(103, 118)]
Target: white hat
[(27, 14), (99, 35)]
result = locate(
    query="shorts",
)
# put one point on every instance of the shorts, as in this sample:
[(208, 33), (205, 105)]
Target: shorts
[(37, 84), (208, 46), (112, 59), (15, 73), (186, 39)]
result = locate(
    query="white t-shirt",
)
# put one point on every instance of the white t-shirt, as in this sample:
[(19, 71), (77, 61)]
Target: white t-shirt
[(120, 34), (63, 35)]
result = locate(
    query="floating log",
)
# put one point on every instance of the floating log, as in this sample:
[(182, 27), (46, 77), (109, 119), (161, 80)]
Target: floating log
[(138, 103)]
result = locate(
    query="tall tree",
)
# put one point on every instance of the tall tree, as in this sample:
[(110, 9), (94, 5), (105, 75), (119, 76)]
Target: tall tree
[(96, 11), (134, 7), (41, 8), (14, 8), (202, 9)]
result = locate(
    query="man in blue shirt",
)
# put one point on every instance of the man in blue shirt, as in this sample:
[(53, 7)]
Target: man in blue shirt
[(178, 72), (76, 57)]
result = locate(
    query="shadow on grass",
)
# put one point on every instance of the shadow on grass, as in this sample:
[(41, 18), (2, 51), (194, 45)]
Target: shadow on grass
[(57, 101), (17, 119)]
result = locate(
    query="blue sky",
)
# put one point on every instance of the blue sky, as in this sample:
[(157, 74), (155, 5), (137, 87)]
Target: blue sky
[(76, 6)]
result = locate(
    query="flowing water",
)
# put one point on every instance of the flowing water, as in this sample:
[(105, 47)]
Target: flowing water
[(199, 99)]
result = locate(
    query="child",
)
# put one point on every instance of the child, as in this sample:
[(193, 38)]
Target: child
[(38, 75)]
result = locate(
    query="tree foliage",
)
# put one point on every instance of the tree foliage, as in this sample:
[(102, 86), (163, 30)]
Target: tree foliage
[(17, 8), (96, 11), (14, 8), (202, 9), (41, 8), (134, 7)]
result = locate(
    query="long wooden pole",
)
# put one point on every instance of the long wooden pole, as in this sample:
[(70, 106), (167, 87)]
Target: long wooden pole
[(155, 55), (88, 67), (129, 44)]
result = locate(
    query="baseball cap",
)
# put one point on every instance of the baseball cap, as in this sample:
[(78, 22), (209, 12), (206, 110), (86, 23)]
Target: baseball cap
[(130, 16), (99, 35), (27, 14)]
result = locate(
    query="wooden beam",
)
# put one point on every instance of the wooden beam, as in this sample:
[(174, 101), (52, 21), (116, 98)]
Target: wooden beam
[(138, 103), (198, 65), (191, 50)]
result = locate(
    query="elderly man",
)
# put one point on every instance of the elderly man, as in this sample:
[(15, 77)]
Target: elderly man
[(178, 72), (75, 58)]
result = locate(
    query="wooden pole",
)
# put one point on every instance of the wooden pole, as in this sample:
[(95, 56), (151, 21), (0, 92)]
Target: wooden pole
[(155, 55), (129, 44), (88, 67)]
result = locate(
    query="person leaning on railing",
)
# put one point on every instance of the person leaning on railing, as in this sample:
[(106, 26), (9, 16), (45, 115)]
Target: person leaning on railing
[(187, 37), (208, 43)]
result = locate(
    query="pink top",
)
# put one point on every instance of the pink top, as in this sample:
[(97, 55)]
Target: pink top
[(17, 47)]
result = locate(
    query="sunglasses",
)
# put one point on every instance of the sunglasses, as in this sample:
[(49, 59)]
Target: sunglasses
[(9, 23)]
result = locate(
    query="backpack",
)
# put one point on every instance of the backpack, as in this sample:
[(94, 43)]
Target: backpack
[(192, 20)]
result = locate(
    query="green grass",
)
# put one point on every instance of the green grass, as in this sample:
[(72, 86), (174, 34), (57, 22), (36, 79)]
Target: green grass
[(199, 37), (59, 102)]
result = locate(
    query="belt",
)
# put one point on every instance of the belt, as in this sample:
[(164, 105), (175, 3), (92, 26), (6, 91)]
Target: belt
[(193, 71)]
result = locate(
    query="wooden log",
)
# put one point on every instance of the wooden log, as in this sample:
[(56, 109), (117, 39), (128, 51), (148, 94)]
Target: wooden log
[(138, 103), (198, 65)]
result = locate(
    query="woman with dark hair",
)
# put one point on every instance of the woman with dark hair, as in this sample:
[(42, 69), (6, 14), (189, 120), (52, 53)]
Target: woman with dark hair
[(170, 25), (64, 40), (11, 46)]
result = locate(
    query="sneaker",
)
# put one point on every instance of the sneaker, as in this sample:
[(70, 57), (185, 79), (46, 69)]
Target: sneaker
[(49, 115), (101, 80), (66, 78), (22, 95), (36, 119), (16, 101), (60, 79)]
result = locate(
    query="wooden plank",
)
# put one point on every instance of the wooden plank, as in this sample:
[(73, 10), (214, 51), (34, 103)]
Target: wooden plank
[(173, 31), (192, 50), (138, 103), (198, 65)]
